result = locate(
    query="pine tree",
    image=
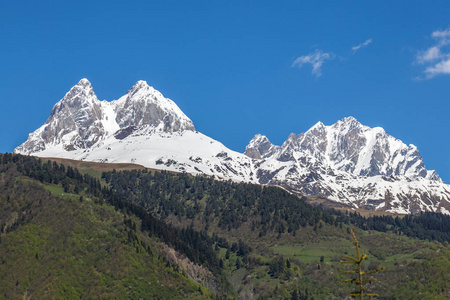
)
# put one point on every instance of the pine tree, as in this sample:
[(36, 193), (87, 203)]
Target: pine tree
[(358, 270)]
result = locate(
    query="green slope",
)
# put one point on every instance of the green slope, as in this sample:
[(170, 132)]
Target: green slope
[(55, 245), (289, 238), (256, 243)]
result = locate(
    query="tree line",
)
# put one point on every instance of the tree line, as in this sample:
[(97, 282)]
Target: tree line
[(266, 208), (198, 246), (154, 195), (229, 203), (425, 226)]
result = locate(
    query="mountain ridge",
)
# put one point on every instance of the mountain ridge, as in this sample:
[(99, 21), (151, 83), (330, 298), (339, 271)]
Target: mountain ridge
[(346, 162), (80, 120), (318, 140)]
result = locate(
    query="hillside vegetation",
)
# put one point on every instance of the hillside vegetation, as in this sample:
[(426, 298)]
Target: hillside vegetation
[(251, 241), (59, 245)]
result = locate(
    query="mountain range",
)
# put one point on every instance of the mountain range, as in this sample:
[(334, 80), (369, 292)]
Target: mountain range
[(346, 162)]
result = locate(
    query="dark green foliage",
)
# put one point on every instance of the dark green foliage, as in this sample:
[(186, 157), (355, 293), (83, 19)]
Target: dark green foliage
[(56, 247), (277, 267), (240, 213), (264, 208), (238, 263), (197, 246), (280, 268), (231, 204), (426, 226)]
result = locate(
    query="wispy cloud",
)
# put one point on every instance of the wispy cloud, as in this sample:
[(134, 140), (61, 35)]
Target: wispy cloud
[(356, 48), (436, 58), (429, 55), (316, 59), (442, 34)]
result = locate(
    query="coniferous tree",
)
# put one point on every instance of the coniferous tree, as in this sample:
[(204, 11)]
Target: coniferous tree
[(359, 279)]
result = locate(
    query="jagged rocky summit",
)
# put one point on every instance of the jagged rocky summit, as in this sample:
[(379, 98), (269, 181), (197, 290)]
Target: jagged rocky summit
[(353, 164), (141, 127), (80, 120), (345, 162)]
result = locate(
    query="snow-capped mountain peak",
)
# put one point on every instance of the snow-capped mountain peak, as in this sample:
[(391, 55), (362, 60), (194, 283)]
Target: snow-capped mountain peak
[(140, 84), (317, 127), (142, 87), (141, 127), (351, 163), (143, 105), (348, 121), (79, 120), (346, 162), (259, 147), (84, 82), (82, 90)]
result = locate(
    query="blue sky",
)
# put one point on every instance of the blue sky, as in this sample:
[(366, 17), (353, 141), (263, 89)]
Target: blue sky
[(238, 68)]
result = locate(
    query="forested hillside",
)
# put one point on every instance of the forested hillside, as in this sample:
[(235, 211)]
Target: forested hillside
[(60, 244), (66, 232), (229, 205)]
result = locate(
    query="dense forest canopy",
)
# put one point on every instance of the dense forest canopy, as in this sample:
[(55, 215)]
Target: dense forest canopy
[(266, 207)]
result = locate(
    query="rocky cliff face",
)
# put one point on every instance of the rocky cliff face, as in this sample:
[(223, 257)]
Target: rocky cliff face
[(345, 146), (141, 127), (354, 164), (144, 106), (346, 162), (80, 120), (74, 121)]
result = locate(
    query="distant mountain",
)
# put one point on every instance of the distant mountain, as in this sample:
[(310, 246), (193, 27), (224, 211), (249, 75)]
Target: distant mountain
[(354, 164), (141, 127), (347, 146), (79, 120), (346, 162)]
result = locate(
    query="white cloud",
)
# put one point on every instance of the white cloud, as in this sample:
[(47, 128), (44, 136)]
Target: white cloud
[(356, 48), (441, 34), (429, 55), (437, 57), (442, 67), (316, 59)]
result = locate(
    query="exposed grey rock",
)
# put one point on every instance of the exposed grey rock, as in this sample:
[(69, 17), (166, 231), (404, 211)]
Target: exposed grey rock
[(338, 162), (260, 147), (143, 106), (79, 120), (345, 162)]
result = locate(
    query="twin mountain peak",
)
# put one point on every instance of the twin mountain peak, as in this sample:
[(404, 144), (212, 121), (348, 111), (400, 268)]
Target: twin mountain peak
[(345, 162)]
